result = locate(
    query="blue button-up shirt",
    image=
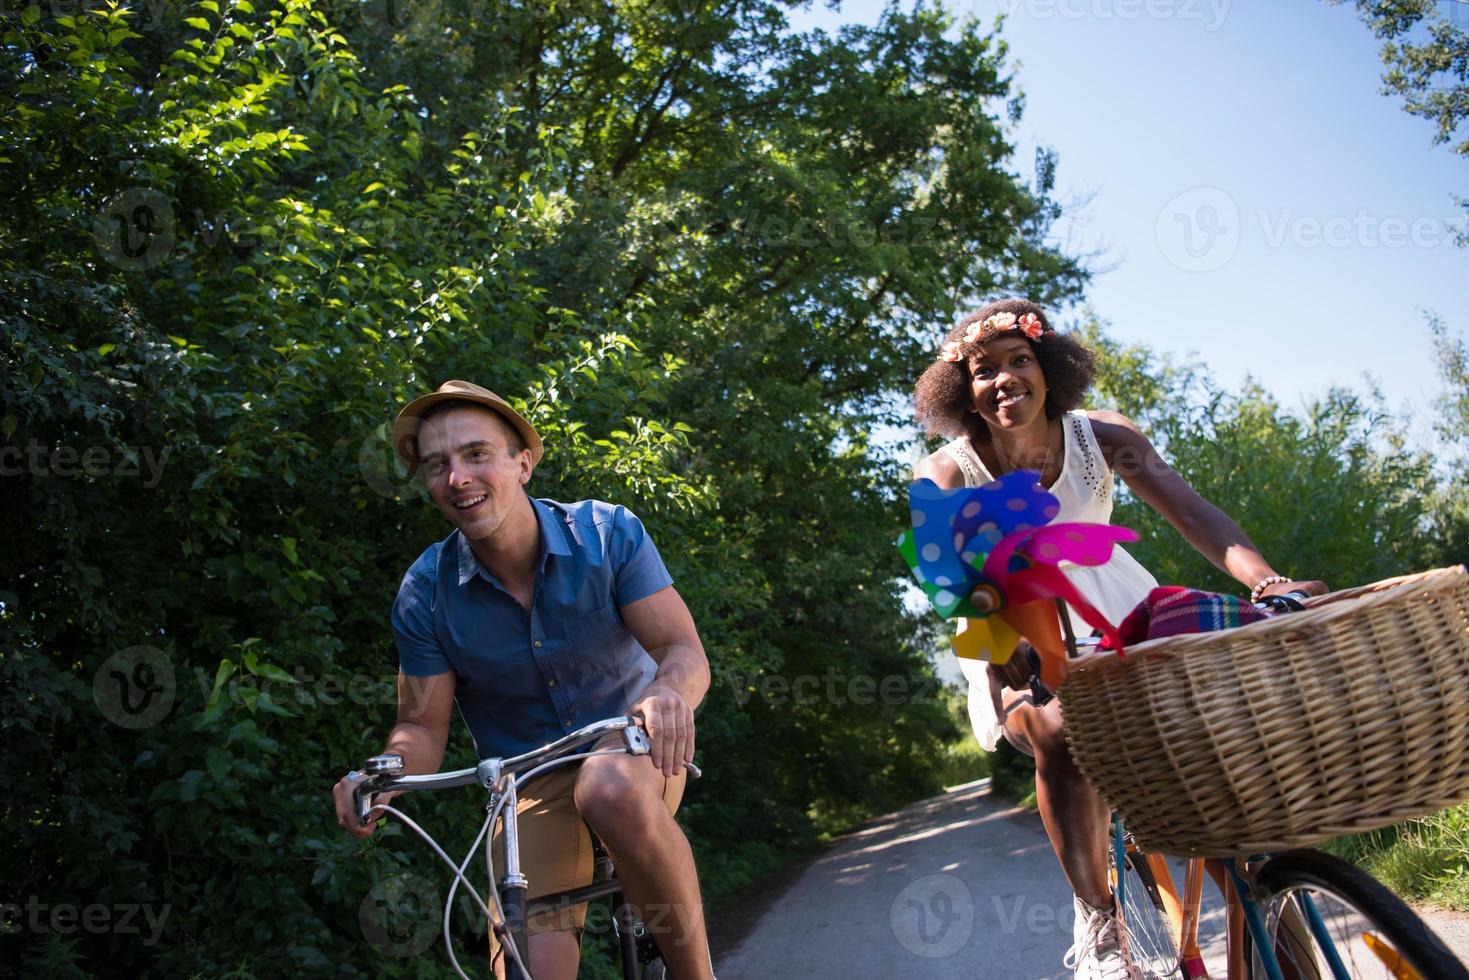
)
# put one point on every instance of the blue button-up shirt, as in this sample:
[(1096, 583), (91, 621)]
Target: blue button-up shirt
[(525, 678)]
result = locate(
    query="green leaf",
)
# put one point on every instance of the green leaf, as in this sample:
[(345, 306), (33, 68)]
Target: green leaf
[(189, 785), (218, 762)]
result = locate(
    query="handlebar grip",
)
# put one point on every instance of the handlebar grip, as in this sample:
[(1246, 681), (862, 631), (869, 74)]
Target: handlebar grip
[(1290, 602)]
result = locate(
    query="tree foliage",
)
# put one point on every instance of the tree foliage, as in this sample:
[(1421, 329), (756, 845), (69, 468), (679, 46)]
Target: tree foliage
[(1425, 56), (1450, 504), (703, 252), (1334, 491)]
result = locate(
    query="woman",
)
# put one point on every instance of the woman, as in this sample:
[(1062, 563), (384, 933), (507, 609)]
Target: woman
[(1007, 389)]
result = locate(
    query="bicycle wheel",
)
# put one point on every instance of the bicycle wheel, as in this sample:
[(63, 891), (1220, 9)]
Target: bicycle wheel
[(1150, 933), (1372, 933)]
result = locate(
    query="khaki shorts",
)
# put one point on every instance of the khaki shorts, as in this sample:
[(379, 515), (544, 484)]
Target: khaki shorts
[(555, 846)]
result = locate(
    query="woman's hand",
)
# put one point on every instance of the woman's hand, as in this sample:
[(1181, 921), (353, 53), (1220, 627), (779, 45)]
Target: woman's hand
[(1285, 588), (1016, 672)]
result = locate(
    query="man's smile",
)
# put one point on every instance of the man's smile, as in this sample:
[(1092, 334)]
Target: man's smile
[(469, 503)]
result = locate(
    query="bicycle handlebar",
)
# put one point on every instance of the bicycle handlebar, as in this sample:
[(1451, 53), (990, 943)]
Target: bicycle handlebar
[(383, 772)]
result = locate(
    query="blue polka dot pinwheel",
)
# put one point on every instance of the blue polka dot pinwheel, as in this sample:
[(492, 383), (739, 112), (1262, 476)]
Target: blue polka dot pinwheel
[(988, 556)]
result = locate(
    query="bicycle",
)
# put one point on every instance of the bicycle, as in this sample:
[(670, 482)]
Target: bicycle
[(1293, 915), (502, 778)]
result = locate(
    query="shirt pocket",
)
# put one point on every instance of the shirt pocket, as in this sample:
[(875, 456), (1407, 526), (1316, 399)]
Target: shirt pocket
[(594, 643)]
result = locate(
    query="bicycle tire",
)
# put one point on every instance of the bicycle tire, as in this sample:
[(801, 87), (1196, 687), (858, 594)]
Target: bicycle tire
[(1351, 902), (1150, 935)]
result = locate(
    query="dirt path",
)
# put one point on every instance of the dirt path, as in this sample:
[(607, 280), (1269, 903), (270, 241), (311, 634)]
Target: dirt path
[(960, 886)]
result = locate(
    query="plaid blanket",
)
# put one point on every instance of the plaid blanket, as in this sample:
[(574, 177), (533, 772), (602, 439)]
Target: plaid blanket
[(1172, 609)]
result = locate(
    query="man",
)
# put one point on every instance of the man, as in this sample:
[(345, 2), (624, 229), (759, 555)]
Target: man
[(538, 618)]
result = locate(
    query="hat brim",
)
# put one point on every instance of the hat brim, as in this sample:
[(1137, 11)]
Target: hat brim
[(405, 427)]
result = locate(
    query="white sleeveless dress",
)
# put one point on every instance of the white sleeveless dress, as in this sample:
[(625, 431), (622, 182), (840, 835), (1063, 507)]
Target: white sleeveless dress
[(1084, 490)]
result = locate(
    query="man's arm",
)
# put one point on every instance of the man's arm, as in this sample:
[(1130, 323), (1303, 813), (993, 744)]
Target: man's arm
[(662, 625), (425, 705)]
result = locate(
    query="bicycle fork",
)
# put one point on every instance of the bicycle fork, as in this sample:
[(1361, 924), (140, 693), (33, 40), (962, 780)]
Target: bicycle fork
[(1265, 948)]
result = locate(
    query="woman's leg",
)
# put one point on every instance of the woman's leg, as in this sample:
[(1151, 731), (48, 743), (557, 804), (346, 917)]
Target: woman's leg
[(1075, 816)]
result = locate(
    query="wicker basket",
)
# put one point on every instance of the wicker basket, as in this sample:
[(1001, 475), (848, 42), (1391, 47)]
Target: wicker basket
[(1351, 715)]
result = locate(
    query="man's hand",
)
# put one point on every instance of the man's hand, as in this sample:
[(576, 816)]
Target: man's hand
[(669, 722), (347, 806)]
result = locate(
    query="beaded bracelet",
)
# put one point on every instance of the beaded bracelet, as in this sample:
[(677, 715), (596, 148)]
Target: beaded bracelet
[(1265, 583)]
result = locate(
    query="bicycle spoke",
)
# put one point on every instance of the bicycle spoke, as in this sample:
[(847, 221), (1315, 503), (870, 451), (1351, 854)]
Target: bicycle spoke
[(1347, 953)]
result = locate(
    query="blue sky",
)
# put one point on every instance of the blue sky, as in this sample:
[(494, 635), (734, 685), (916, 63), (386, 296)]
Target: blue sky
[(1261, 205)]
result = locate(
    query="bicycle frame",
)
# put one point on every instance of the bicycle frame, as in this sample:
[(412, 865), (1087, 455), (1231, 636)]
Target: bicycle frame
[(502, 777)]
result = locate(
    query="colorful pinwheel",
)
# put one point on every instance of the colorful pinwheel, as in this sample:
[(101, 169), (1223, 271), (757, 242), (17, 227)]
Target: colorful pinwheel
[(998, 539)]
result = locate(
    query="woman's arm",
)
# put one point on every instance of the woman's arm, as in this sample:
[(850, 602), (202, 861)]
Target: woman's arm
[(1211, 531)]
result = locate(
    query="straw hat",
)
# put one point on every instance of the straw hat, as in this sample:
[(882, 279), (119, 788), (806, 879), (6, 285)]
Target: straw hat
[(405, 429)]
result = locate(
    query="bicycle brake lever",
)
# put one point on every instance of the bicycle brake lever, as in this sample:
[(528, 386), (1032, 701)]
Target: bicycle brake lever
[(360, 797), (387, 764), (636, 740), (1040, 695)]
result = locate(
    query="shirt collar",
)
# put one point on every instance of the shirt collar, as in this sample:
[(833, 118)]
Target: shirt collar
[(553, 542)]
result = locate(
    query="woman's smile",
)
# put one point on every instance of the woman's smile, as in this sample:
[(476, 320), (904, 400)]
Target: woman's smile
[(1008, 399)]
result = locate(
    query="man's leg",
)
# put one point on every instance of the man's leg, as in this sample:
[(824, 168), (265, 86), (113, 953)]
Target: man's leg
[(622, 798), (555, 855), (554, 955)]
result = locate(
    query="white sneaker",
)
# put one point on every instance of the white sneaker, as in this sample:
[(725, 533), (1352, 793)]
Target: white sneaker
[(1099, 950)]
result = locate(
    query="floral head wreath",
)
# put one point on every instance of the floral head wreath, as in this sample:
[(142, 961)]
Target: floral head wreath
[(1029, 324)]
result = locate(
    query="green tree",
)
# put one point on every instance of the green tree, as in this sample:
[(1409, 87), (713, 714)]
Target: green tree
[(1450, 501), (1336, 491), (1425, 54)]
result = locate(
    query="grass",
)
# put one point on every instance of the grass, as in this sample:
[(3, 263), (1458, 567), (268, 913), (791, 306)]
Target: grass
[(1426, 859), (964, 761)]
